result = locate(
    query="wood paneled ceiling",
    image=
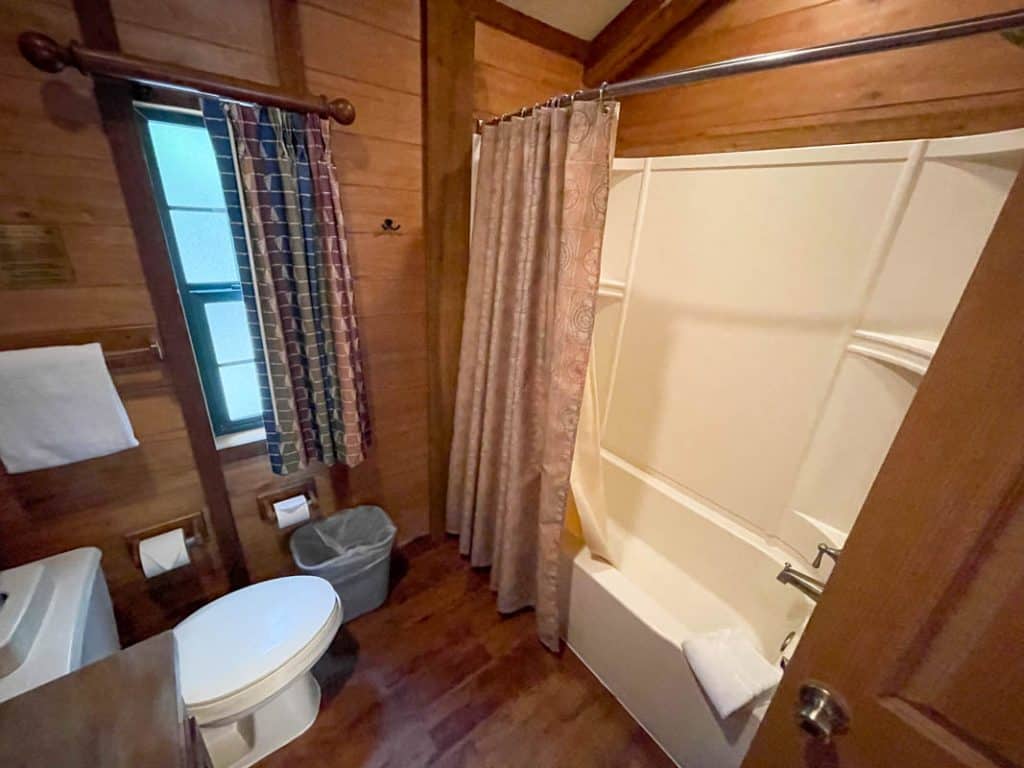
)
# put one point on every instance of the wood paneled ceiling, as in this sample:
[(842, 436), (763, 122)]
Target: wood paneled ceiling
[(581, 19), (610, 37)]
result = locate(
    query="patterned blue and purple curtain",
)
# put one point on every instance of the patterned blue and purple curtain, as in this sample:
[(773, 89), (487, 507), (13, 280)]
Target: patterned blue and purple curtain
[(285, 209)]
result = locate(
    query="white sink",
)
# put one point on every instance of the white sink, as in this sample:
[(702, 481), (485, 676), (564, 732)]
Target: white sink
[(25, 594)]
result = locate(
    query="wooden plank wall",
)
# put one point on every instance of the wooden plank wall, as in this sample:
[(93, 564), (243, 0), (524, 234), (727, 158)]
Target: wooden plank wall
[(967, 86), (55, 167), (511, 73), (476, 69), (368, 51)]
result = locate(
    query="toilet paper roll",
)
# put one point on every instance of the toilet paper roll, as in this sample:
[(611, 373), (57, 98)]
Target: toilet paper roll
[(163, 553), (291, 511)]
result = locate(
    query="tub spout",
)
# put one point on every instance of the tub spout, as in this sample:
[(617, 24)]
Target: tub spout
[(809, 586)]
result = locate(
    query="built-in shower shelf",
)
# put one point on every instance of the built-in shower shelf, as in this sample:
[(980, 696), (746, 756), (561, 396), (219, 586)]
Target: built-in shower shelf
[(615, 289), (907, 352)]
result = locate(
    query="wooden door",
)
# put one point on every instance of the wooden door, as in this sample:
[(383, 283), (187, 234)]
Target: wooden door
[(921, 628)]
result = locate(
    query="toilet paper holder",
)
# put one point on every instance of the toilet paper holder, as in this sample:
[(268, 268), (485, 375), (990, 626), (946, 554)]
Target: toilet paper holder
[(193, 525), (305, 488)]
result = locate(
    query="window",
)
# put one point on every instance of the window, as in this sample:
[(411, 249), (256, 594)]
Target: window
[(188, 192)]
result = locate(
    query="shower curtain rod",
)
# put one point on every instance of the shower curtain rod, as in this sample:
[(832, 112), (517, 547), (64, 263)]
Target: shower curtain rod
[(777, 59), (47, 54)]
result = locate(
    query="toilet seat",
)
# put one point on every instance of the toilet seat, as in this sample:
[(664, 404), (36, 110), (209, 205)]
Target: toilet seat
[(242, 649)]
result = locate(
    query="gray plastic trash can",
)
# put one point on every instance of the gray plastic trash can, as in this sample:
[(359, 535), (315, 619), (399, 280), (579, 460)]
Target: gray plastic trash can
[(352, 550)]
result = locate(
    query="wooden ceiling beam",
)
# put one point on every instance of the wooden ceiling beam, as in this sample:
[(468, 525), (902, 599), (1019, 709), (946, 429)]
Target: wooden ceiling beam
[(532, 30), (638, 28), (117, 110), (284, 21)]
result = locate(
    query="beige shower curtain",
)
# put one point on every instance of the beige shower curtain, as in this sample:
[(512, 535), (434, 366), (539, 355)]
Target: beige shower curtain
[(535, 259)]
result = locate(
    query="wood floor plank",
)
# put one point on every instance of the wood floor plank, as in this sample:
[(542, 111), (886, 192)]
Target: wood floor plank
[(438, 678)]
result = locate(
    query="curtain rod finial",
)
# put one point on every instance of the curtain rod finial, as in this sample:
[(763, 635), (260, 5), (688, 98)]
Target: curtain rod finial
[(342, 111), (43, 52)]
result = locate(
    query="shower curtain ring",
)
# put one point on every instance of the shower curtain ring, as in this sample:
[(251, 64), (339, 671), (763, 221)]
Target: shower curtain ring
[(575, 94), (600, 94)]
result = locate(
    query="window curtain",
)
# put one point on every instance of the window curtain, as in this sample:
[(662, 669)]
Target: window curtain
[(285, 209), (535, 261)]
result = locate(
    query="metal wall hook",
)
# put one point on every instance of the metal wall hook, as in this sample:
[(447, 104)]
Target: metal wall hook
[(1015, 36), (390, 226)]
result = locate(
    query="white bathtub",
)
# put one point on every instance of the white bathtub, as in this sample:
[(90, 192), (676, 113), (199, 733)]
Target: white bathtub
[(682, 569)]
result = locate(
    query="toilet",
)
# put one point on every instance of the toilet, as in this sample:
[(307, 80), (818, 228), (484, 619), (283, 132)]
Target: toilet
[(244, 664), (244, 660)]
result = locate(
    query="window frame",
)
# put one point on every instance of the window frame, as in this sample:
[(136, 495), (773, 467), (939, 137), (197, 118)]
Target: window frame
[(194, 297)]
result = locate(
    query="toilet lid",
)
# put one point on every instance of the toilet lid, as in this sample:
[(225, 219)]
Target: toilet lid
[(240, 638)]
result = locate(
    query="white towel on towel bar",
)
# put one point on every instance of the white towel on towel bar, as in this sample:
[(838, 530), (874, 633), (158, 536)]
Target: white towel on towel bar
[(58, 405), (730, 669)]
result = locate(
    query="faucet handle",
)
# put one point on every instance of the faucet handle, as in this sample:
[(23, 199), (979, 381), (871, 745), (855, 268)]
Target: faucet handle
[(825, 549)]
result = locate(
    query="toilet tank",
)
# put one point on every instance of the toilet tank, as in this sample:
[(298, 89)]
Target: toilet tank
[(55, 616)]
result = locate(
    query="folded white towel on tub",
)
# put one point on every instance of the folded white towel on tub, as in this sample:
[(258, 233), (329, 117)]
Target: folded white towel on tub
[(730, 669), (58, 405)]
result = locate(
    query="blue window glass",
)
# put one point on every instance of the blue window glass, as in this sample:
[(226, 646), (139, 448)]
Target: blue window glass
[(188, 190), (204, 246), (186, 164), (239, 380), (230, 331)]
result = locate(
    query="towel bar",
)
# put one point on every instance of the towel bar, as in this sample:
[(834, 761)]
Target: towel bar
[(129, 358), (128, 346)]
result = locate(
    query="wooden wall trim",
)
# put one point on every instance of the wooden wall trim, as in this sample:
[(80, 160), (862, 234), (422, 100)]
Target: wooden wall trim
[(242, 452), (528, 28), (448, 32), (117, 112), (291, 69), (632, 35)]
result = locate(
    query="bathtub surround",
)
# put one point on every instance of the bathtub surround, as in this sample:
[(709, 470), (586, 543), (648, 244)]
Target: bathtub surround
[(289, 235), (680, 571), (587, 478), (533, 274), (771, 387), (764, 371)]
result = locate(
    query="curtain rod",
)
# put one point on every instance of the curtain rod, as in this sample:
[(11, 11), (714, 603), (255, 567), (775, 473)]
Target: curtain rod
[(777, 59), (47, 54)]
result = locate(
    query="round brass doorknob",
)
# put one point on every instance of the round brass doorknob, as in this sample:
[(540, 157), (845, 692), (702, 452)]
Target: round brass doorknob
[(821, 713)]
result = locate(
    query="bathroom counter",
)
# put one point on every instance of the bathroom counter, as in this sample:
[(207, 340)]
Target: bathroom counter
[(124, 710)]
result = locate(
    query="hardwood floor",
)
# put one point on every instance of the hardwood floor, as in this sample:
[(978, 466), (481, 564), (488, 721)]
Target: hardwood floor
[(438, 678)]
